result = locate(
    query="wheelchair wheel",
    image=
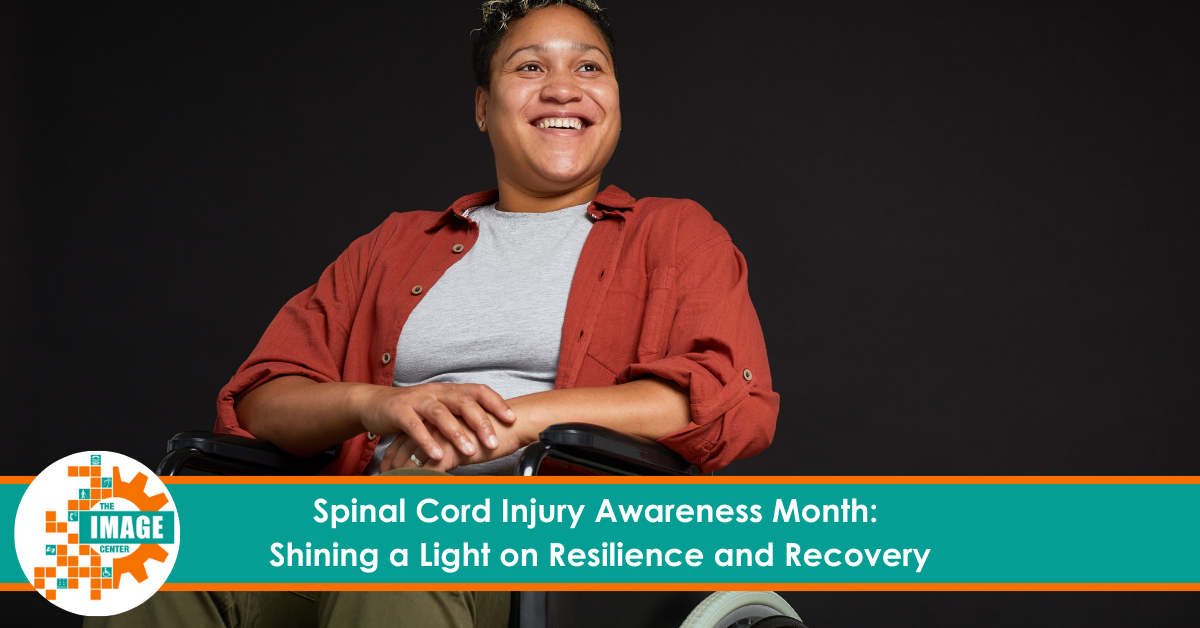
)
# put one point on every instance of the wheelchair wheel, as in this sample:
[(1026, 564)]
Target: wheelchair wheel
[(742, 609)]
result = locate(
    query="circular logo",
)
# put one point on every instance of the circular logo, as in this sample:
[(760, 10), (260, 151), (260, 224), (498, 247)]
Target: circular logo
[(97, 533)]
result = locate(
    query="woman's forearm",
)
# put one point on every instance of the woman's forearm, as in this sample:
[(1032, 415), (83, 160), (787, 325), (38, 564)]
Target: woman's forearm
[(300, 416), (648, 407), (304, 417)]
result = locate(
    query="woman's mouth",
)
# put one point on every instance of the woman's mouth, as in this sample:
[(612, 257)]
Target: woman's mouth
[(561, 123)]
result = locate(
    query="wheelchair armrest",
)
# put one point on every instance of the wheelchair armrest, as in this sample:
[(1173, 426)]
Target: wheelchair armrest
[(583, 449), (228, 454)]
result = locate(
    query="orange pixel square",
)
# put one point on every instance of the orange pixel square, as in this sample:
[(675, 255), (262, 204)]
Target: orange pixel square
[(73, 561), (62, 550), (50, 572), (105, 493), (62, 526), (72, 504), (72, 472), (51, 527), (39, 583), (73, 539), (50, 515), (96, 472), (62, 561), (95, 482), (96, 574), (95, 583), (84, 550), (39, 572), (72, 572), (107, 583), (73, 583), (50, 594), (95, 594), (95, 560)]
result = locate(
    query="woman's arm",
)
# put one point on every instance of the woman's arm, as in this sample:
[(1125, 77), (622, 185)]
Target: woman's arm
[(304, 417), (649, 407)]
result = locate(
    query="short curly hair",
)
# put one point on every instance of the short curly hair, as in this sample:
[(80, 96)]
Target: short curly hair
[(498, 14)]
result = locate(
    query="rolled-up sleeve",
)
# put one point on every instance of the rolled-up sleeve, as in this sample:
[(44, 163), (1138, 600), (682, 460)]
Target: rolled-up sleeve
[(716, 351), (309, 336)]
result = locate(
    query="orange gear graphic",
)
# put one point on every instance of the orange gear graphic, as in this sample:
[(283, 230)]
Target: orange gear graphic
[(135, 492), (135, 563)]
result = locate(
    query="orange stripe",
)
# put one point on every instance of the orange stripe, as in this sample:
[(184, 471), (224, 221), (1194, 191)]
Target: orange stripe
[(702, 480), (705, 586)]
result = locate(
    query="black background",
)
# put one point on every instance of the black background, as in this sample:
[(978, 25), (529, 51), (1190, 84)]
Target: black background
[(970, 229)]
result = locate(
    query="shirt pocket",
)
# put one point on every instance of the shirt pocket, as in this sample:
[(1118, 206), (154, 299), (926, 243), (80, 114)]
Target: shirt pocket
[(635, 318), (658, 316)]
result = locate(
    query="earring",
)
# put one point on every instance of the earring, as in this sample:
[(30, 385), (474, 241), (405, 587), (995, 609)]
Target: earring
[(479, 123)]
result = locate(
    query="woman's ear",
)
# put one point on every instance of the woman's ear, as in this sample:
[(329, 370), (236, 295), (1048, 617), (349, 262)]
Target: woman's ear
[(481, 101)]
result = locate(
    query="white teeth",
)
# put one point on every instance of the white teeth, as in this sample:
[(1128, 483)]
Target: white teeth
[(560, 123)]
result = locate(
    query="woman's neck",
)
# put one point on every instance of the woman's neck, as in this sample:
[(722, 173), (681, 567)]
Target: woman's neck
[(515, 198)]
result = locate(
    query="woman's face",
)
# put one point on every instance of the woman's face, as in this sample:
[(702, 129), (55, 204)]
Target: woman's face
[(553, 110)]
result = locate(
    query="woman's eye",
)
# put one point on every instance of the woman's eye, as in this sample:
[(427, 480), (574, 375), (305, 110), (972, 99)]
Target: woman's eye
[(589, 67), (528, 67)]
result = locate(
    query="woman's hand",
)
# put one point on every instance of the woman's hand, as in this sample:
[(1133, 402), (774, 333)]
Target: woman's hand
[(460, 415), (400, 452)]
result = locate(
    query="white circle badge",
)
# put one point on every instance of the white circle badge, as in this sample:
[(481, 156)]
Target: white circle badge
[(97, 533)]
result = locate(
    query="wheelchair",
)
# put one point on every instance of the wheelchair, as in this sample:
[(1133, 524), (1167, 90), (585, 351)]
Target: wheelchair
[(562, 449)]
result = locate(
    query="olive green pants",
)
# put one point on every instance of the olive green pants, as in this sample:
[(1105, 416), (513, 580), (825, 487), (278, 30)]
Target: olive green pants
[(326, 609)]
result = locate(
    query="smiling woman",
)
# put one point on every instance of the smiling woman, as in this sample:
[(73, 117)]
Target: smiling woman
[(594, 306), (449, 340)]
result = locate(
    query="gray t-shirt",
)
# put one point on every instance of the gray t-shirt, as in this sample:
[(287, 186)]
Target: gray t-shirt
[(495, 317)]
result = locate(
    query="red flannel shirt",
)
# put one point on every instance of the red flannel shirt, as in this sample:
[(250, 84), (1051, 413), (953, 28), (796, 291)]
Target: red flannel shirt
[(659, 290)]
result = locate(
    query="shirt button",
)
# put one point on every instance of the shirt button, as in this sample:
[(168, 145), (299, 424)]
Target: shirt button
[(746, 374), (416, 290), (371, 436), (457, 248), (387, 357)]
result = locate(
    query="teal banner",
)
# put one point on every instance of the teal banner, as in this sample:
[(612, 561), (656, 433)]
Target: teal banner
[(10, 568), (682, 533)]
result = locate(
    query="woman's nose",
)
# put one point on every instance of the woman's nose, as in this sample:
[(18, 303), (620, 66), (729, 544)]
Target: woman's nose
[(562, 87)]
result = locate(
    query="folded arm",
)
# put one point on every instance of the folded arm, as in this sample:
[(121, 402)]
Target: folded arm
[(649, 407)]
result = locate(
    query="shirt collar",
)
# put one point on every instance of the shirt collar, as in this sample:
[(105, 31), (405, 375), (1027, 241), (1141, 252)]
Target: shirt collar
[(610, 201)]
